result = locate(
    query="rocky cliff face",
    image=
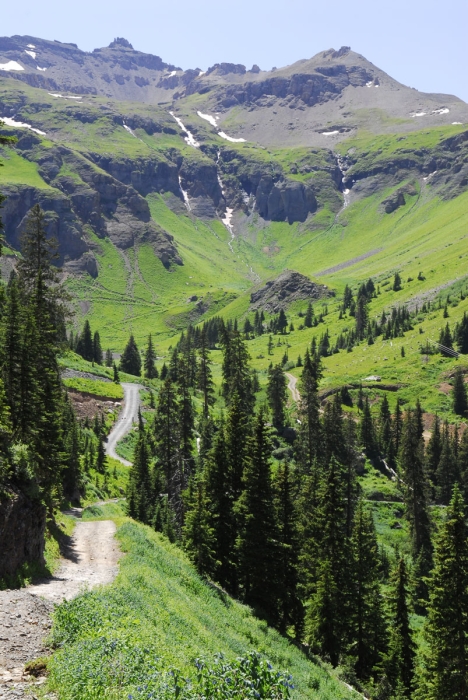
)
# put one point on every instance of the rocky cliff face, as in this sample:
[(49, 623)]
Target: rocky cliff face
[(22, 527), (91, 198)]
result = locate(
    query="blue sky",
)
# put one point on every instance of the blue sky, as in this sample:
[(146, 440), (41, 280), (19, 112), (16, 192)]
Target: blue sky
[(420, 43)]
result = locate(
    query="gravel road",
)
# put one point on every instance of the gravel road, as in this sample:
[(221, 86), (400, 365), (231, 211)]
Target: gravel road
[(292, 387), (125, 421), (90, 559)]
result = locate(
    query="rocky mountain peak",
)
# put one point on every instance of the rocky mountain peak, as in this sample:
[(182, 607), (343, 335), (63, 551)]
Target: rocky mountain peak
[(120, 42)]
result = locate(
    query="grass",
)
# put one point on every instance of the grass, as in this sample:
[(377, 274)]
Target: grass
[(159, 615), (107, 390)]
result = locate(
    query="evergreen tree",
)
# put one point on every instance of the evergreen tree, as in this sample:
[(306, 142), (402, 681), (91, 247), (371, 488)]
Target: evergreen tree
[(204, 376), (447, 469), (282, 323), (109, 358), (198, 536), (97, 349), (290, 609), (166, 431), (101, 458), (85, 343), (130, 360), (309, 317), (415, 488), (433, 452), (237, 379), (328, 617), (150, 358), (396, 282), (459, 395), (256, 543), (445, 665), (368, 632), (367, 431), (309, 439), (277, 394), (139, 496), (400, 660)]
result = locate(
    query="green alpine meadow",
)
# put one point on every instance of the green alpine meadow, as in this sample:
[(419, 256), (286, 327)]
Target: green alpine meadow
[(233, 379)]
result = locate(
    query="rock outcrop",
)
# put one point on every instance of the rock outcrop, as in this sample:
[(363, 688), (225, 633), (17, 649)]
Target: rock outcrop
[(290, 286), (22, 527)]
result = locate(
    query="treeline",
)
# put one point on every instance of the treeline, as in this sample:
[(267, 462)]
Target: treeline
[(40, 438)]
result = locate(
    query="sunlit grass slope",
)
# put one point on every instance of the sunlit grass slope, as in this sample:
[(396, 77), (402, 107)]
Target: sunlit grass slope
[(159, 612)]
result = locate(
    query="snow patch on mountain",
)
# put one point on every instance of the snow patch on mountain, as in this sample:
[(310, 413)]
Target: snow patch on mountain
[(31, 53), (11, 65), (21, 125), (208, 118), (230, 138), (190, 139)]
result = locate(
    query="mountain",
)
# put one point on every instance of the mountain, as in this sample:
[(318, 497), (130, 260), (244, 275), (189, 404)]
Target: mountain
[(176, 193)]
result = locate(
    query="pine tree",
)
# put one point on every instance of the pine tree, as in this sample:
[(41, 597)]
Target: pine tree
[(396, 282), (290, 609), (447, 469), (256, 543), (282, 322), (368, 632), (400, 660), (415, 487), (309, 440), (198, 536), (97, 349), (150, 358), (116, 375), (139, 497), (367, 431), (459, 395), (309, 317), (130, 360), (109, 358), (277, 394), (433, 452), (101, 458), (445, 665), (204, 375), (236, 372), (166, 431), (328, 618)]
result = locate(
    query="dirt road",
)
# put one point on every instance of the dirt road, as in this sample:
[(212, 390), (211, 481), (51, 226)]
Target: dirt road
[(90, 558), (292, 387), (125, 421)]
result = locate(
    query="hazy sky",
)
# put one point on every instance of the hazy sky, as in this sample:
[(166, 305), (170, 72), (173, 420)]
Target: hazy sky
[(421, 43)]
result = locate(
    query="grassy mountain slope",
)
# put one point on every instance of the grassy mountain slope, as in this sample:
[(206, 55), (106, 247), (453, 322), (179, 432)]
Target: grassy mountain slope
[(159, 615)]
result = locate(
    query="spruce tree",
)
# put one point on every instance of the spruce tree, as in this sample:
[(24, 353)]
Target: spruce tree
[(367, 431), (97, 349), (459, 395), (257, 538), (277, 394), (328, 619), (444, 671), (447, 469), (309, 317), (85, 346), (130, 360), (116, 374), (219, 493), (308, 446), (198, 536), (109, 358), (204, 375), (236, 372), (166, 433), (290, 609), (400, 660), (150, 358), (368, 640), (433, 452), (139, 498), (415, 487)]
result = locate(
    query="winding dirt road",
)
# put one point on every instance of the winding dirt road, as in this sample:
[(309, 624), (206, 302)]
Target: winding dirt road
[(292, 387), (125, 421)]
